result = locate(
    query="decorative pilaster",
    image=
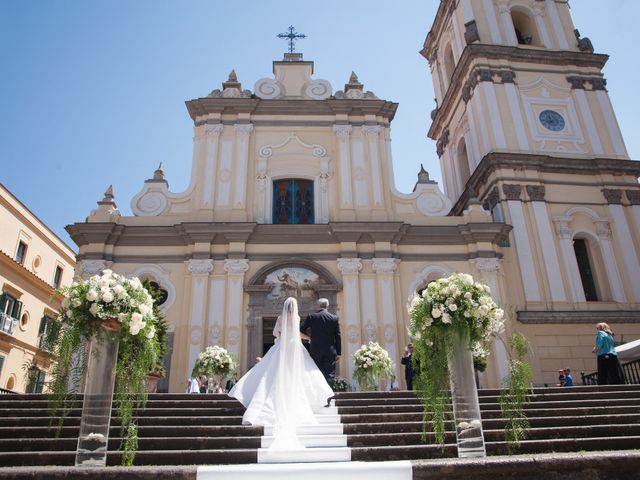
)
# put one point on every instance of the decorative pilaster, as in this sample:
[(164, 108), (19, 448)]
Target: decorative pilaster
[(539, 11), (634, 199), (235, 268), (385, 268), (522, 237), (372, 133), (625, 239), (242, 158), (199, 270), (346, 196), (565, 238), (548, 246), (603, 230), (213, 135), (350, 269), (507, 23)]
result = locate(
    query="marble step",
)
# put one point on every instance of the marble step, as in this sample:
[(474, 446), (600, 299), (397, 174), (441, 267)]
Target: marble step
[(319, 429), (305, 455), (312, 441)]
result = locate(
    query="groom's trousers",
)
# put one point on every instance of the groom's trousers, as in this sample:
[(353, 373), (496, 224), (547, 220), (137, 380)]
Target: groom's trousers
[(326, 362)]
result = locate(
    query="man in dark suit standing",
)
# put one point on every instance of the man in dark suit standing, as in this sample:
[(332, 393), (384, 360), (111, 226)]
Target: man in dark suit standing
[(324, 330)]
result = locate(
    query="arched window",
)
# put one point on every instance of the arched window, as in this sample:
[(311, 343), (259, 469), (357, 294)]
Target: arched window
[(464, 171), (293, 201), (586, 268), (525, 28)]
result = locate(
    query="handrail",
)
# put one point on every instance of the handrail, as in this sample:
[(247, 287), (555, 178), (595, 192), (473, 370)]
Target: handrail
[(631, 374)]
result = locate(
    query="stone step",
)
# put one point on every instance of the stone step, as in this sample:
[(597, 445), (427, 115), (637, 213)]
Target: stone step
[(305, 455), (313, 441)]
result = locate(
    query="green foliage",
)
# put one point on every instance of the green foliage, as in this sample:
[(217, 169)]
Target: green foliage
[(162, 330), (516, 390), (341, 385), (81, 315)]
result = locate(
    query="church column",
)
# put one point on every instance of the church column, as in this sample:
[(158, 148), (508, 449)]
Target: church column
[(343, 132), (634, 199), (523, 245), (577, 87), (235, 268), (350, 268), (507, 23), (557, 24), (489, 90), (603, 230), (494, 29), (610, 118), (372, 134), (549, 254), (513, 99), (384, 268), (217, 296), (199, 270), (625, 239), (489, 268), (213, 134), (242, 159), (565, 236), (541, 26)]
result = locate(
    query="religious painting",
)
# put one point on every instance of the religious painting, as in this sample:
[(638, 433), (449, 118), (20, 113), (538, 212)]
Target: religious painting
[(297, 282)]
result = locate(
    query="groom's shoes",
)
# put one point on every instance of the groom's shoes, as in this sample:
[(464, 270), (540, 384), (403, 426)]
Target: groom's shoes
[(329, 401)]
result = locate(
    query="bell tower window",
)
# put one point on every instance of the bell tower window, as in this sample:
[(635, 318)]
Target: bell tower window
[(586, 269), (525, 28), (293, 201)]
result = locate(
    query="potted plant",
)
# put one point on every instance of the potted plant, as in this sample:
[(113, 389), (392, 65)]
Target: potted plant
[(216, 364), (372, 365)]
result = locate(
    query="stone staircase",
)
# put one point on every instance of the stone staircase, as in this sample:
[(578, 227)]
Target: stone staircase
[(182, 429)]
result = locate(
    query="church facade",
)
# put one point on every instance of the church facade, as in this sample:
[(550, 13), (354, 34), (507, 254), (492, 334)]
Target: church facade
[(292, 194)]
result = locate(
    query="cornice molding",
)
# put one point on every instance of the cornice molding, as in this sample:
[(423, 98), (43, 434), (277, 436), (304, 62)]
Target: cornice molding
[(9, 264), (540, 163), (578, 316)]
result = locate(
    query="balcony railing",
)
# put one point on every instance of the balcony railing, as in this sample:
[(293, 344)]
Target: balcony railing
[(631, 374), (7, 323)]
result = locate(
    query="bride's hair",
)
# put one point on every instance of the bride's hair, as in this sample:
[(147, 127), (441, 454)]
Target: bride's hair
[(289, 304)]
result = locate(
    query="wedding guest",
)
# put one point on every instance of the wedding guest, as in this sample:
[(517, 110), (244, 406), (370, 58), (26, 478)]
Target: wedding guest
[(560, 378), (407, 361), (192, 385), (204, 384), (609, 370), (568, 379)]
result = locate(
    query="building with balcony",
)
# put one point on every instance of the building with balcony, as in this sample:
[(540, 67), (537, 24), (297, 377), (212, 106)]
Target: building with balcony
[(33, 263)]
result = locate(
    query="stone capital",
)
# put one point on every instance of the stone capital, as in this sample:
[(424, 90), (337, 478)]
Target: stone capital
[(512, 191), (487, 265), (603, 229), (562, 228), (371, 131), (349, 265), (633, 196), (200, 266), (236, 266), (613, 196), (91, 267), (243, 130), (536, 192), (342, 131), (214, 130), (384, 265)]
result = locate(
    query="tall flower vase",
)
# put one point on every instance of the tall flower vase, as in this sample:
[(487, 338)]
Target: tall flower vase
[(464, 394), (98, 395)]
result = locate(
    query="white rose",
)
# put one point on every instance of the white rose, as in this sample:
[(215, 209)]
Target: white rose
[(446, 318), (435, 313), (103, 282), (65, 303), (453, 307), (133, 329), (483, 310), (468, 295), (107, 297), (92, 295), (118, 289), (498, 314), (94, 309), (467, 279), (143, 309), (151, 333), (466, 314), (107, 272), (122, 317), (136, 318)]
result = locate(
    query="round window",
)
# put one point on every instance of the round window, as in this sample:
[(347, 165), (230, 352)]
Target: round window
[(37, 261), (24, 321), (11, 383)]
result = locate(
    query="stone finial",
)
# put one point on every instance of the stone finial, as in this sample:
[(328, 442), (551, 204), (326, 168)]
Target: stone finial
[(109, 198), (584, 44), (423, 178), (353, 84), (158, 176), (232, 82)]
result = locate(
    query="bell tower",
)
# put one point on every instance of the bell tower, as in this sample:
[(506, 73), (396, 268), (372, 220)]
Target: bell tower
[(523, 123)]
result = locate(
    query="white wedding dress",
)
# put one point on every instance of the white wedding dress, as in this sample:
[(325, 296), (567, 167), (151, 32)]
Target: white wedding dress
[(285, 387)]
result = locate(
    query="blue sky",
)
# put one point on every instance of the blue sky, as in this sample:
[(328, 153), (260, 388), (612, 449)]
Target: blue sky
[(92, 92)]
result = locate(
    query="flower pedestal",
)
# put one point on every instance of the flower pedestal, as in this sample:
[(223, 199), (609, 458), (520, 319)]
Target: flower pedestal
[(98, 395), (464, 395)]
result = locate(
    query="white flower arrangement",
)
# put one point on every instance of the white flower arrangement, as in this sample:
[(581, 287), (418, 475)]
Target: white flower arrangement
[(372, 363), (215, 361), (110, 296)]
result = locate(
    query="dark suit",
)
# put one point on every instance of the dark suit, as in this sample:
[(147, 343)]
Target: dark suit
[(408, 370), (325, 341)]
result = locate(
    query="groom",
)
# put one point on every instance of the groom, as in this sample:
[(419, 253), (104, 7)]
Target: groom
[(325, 339)]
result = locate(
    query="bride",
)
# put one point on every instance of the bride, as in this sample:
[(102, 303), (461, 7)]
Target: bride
[(286, 386)]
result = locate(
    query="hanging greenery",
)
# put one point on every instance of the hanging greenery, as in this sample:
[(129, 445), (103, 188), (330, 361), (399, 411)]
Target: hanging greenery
[(448, 307), (372, 364), (86, 304), (516, 390)]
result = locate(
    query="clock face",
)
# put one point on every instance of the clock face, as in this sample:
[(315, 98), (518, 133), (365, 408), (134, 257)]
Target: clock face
[(552, 120)]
